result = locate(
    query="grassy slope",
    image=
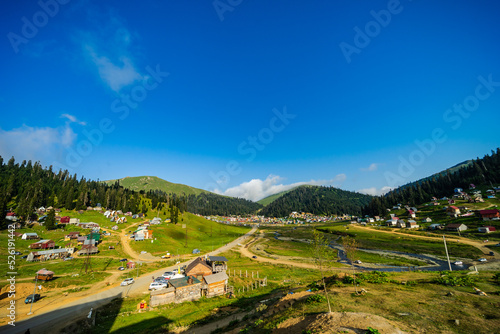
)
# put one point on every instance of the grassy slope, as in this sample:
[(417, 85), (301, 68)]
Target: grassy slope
[(202, 234), (265, 201), (146, 183)]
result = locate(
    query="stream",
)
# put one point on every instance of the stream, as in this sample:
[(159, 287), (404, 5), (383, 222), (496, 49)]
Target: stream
[(436, 264)]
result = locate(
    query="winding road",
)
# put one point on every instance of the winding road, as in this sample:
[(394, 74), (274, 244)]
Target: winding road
[(52, 320)]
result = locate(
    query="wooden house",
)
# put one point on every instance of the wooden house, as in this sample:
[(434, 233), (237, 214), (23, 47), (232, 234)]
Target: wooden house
[(456, 227), (43, 244), (215, 285), (489, 214), (44, 274), (452, 210), (186, 288), (30, 236), (486, 229), (198, 268), (218, 263)]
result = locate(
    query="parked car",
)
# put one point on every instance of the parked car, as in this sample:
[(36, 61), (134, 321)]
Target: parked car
[(143, 252), (17, 253), (24, 257), (458, 263), (358, 261), (160, 279), (69, 258), (177, 276), (32, 297), (121, 268), (482, 259), (492, 254), (254, 257), (123, 260), (168, 274), (127, 281), (157, 286)]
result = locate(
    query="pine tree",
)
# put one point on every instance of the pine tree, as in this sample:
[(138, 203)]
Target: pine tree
[(50, 221)]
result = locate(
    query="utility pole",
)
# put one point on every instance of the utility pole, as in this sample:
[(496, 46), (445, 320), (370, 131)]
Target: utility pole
[(446, 249), (34, 292)]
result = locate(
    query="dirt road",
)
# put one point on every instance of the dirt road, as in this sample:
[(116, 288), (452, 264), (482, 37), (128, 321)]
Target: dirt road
[(70, 308)]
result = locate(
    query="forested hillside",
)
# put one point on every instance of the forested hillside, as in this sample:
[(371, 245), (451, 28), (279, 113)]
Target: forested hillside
[(317, 200), (27, 186), (213, 204), (485, 171)]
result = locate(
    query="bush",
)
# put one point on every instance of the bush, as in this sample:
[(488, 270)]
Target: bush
[(451, 279), (372, 330), (315, 299)]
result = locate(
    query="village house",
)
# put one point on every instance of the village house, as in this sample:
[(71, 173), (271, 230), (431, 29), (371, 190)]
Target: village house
[(486, 229), (411, 214), (198, 268), (489, 214), (186, 289), (44, 275), (427, 220), (218, 263), (43, 244), (411, 224), (435, 227), (90, 225), (452, 211), (46, 255), (74, 221), (88, 249), (71, 236), (456, 227), (11, 216), (215, 285), (401, 223), (64, 220)]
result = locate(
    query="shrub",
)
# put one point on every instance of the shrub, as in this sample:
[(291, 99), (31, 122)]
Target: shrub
[(315, 299), (451, 279), (372, 330)]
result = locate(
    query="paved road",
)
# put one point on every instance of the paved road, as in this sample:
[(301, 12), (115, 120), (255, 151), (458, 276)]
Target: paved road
[(45, 322)]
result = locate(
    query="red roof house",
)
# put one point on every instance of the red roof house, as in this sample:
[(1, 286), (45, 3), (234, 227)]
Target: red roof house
[(489, 214)]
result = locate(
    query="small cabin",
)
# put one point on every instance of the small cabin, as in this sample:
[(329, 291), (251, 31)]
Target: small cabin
[(44, 275)]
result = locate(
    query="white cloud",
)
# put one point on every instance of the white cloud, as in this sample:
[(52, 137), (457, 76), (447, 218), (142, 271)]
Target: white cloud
[(371, 168), (113, 56), (72, 119), (116, 75), (374, 191), (257, 189), (37, 144)]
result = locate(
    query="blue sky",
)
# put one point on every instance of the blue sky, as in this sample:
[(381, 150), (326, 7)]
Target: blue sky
[(248, 98)]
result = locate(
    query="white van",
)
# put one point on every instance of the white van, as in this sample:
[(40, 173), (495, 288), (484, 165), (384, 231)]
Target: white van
[(157, 286)]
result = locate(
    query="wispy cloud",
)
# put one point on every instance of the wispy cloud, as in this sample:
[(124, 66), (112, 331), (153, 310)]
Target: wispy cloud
[(257, 189), (112, 57), (374, 191), (37, 144), (373, 167), (72, 119)]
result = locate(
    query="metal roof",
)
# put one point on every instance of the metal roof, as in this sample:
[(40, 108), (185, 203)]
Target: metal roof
[(217, 258), (182, 282), (222, 276)]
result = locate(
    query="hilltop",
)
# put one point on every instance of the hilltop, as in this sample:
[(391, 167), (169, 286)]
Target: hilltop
[(147, 183), (271, 198), (317, 200)]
